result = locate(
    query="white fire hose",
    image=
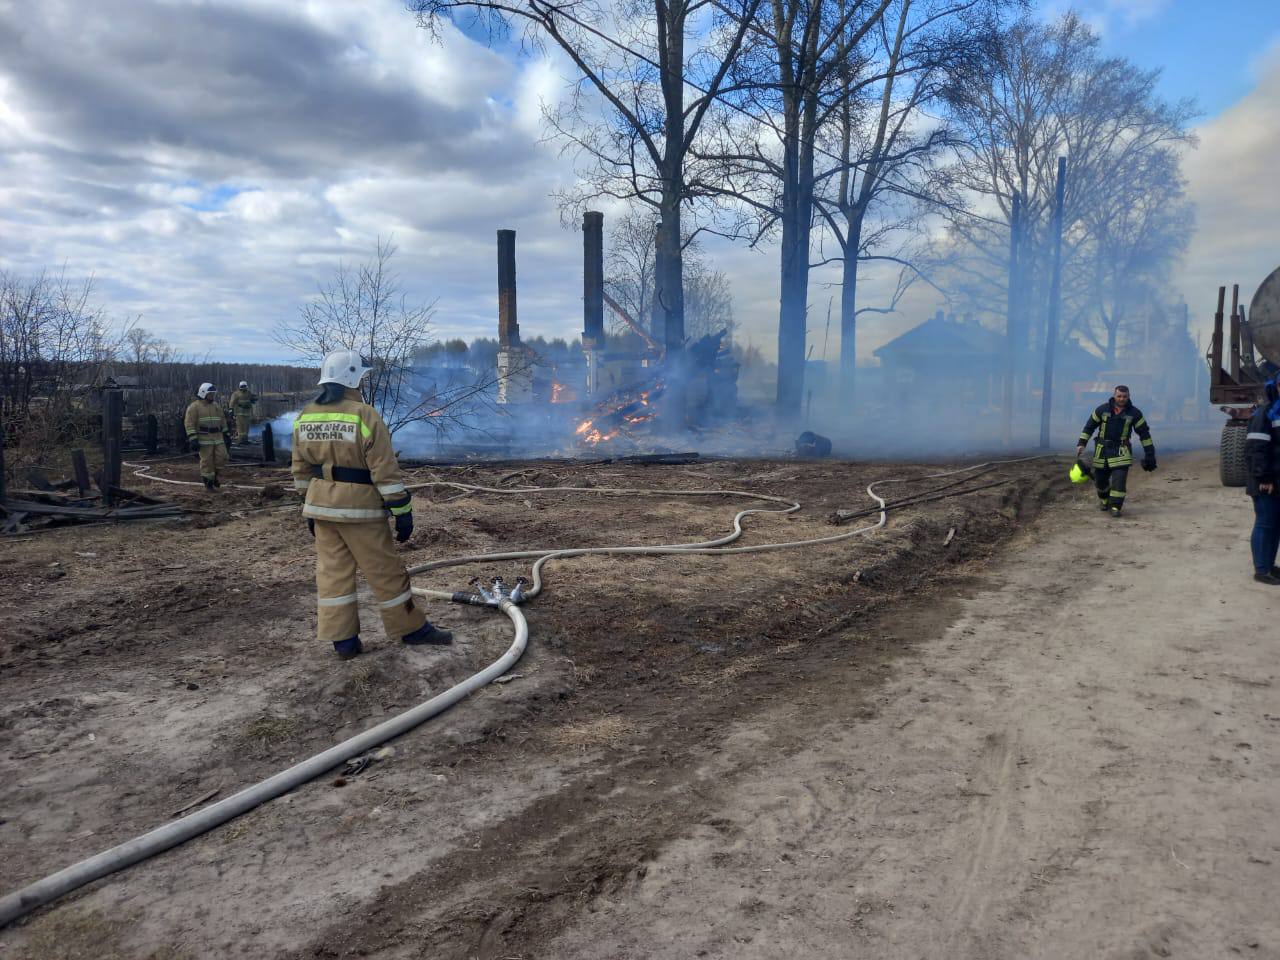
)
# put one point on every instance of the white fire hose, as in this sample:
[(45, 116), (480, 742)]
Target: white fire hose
[(41, 892)]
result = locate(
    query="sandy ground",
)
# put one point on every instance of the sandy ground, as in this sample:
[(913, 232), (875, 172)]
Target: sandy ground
[(1082, 764), (1052, 737)]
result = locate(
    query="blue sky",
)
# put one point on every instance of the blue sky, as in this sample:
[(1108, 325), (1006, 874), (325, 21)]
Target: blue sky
[(1207, 50)]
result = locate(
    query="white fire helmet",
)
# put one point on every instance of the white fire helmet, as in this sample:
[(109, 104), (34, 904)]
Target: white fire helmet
[(345, 367), (244, 384), (205, 390)]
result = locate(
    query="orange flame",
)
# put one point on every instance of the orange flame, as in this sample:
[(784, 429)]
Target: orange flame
[(628, 411)]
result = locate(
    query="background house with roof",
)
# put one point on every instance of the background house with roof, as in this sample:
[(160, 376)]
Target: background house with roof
[(966, 362)]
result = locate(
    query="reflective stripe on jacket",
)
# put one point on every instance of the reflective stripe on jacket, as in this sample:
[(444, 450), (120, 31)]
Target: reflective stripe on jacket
[(1262, 452), (205, 421), (242, 402), (348, 434), (1114, 444)]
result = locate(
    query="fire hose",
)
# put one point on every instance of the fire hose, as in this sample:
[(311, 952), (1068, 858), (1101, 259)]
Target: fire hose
[(147, 845), (143, 470)]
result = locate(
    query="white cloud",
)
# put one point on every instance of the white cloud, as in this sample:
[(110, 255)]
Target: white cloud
[(1232, 181), (210, 163), (1107, 16)]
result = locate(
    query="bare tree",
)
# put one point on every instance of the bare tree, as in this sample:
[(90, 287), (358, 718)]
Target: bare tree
[(631, 270), (1131, 237), (365, 309), (657, 69), (782, 97), (887, 143), (53, 342), (630, 277), (708, 302), (1044, 91)]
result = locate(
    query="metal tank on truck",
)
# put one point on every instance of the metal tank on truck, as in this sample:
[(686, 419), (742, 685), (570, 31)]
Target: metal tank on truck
[(1241, 360)]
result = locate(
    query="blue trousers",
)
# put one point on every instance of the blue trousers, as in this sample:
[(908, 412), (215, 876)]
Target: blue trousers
[(1266, 531)]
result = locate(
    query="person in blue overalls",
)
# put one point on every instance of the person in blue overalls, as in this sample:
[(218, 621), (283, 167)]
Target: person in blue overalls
[(1262, 454)]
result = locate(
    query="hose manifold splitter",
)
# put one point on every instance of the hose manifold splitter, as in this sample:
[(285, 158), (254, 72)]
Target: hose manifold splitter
[(493, 595)]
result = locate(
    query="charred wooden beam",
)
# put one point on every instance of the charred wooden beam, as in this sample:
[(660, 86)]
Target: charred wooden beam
[(268, 443), (81, 470)]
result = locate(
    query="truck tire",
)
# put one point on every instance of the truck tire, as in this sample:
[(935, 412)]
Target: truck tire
[(1231, 463)]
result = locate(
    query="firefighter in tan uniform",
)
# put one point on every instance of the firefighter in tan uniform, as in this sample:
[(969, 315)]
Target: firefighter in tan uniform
[(242, 402), (343, 460), (206, 423)]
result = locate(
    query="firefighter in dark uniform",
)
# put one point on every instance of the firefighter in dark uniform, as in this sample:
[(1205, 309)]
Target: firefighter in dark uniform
[(1116, 421), (1262, 454)]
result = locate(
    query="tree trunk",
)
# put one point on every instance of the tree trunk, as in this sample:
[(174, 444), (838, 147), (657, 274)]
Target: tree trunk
[(797, 225), (670, 271), (657, 316), (791, 314), (849, 311), (669, 285), (1011, 321)]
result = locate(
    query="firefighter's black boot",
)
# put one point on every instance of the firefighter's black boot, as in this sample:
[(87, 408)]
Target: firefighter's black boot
[(1103, 504), (348, 648), (216, 483), (427, 634), (208, 484), (1115, 512)]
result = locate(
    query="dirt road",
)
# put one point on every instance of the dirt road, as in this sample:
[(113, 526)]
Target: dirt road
[(1049, 734), (1084, 763)]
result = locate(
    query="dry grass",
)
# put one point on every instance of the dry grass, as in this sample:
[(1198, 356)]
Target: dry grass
[(268, 729), (361, 677), (736, 668), (604, 731), (64, 935)]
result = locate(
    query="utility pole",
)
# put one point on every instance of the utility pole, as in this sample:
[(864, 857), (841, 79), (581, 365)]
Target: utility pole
[(1011, 320), (1055, 289)]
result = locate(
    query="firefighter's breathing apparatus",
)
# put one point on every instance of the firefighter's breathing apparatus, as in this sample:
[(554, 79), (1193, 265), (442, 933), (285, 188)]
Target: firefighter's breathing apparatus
[(168, 835)]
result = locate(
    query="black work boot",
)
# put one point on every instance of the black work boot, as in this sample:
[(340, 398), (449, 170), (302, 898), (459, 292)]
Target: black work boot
[(1267, 577), (208, 484), (1115, 512), (427, 634), (348, 648), (1103, 504), (216, 482)]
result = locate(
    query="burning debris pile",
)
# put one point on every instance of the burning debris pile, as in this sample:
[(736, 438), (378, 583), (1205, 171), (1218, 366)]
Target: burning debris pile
[(619, 415), (698, 391), (648, 397)]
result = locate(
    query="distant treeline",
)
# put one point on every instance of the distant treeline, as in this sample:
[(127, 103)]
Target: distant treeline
[(481, 354), (180, 381)]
